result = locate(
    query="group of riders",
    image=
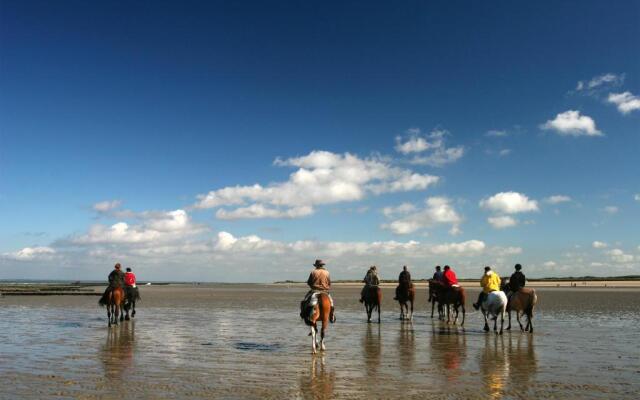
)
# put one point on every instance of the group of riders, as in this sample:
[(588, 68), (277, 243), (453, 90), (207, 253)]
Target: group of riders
[(320, 282), (122, 280)]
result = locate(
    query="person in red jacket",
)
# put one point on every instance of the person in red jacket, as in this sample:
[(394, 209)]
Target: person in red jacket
[(449, 277), (130, 287)]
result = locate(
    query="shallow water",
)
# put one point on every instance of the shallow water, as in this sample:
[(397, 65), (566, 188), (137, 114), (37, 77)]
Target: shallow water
[(247, 341)]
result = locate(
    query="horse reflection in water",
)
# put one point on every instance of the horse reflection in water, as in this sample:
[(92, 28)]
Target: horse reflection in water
[(117, 353), (449, 350), (494, 366), (523, 363), (372, 349), (406, 346), (319, 383)]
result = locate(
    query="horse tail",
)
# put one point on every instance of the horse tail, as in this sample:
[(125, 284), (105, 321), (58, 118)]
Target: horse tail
[(104, 299), (532, 302), (463, 296)]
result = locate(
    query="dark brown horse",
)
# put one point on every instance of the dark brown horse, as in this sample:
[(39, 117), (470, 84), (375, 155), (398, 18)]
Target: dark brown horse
[(321, 312), (447, 297), (405, 296), (433, 299), (372, 301), (522, 302), (114, 300)]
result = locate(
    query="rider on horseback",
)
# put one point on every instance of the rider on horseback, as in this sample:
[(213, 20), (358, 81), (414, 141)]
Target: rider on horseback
[(319, 281), (404, 281), (490, 282), (517, 280), (437, 276), (370, 279), (116, 280), (449, 277), (130, 288)]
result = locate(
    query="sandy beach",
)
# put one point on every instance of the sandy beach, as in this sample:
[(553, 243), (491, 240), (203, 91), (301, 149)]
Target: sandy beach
[(247, 341)]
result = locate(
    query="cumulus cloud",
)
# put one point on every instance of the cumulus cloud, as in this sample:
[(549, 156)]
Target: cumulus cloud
[(437, 211), (403, 208), (550, 264), (157, 227), (431, 147), (604, 80), (619, 256), (322, 178), (31, 253), (106, 206), (611, 210), (626, 102), (502, 221), (260, 211), (509, 203), (599, 245), (636, 197), (557, 199), (571, 123)]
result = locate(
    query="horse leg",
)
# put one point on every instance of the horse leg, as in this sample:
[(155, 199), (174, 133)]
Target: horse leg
[(486, 322), (126, 308), (518, 318), (495, 324), (463, 316), (378, 312), (509, 327), (313, 338), (529, 321), (433, 304), (501, 320), (324, 325), (368, 308), (109, 314), (133, 308), (411, 315)]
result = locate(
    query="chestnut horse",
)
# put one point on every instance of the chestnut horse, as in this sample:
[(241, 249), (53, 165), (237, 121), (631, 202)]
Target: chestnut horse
[(372, 301), (522, 302), (321, 312), (406, 294), (114, 300), (448, 296)]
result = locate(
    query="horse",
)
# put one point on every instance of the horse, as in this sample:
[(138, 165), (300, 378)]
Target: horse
[(404, 295), (495, 304), (131, 296), (433, 299), (321, 312), (522, 302), (372, 301), (448, 296), (114, 300)]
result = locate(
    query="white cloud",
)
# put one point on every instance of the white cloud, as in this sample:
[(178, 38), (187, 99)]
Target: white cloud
[(601, 80), (504, 152), (437, 211), (260, 211), (503, 221), (571, 123), (611, 210), (433, 143), (496, 133), (509, 203), (106, 206), (619, 256), (626, 102), (322, 178), (403, 208), (557, 199), (157, 227), (550, 264), (31, 253), (599, 245), (636, 197)]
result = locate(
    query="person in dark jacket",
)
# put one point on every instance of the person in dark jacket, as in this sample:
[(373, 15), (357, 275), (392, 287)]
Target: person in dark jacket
[(517, 280), (438, 275), (116, 280), (404, 281)]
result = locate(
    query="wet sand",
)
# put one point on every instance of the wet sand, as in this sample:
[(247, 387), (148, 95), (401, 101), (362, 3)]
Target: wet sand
[(247, 341)]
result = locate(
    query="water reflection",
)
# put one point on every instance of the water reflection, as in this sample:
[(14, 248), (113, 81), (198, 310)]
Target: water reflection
[(406, 346), (494, 365), (371, 349), (448, 350), (319, 383), (523, 362), (117, 352)]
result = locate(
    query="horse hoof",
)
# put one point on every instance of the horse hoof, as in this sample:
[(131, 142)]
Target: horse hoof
[(127, 318), (508, 328)]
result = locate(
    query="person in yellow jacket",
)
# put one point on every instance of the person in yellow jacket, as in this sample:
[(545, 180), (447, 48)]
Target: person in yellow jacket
[(490, 282)]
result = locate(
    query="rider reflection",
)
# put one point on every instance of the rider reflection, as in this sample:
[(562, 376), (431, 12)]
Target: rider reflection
[(320, 382), (372, 349), (117, 352), (449, 350), (406, 346)]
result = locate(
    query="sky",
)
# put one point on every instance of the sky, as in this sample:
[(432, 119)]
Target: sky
[(240, 141)]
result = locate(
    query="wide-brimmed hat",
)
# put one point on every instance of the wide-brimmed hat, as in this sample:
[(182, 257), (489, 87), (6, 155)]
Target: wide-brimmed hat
[(318, 263)]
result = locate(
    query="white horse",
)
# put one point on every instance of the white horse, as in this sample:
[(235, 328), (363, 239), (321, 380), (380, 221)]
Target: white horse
[(494, 304)]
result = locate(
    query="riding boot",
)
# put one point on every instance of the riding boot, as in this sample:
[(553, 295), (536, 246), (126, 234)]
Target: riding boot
[(332, 316)]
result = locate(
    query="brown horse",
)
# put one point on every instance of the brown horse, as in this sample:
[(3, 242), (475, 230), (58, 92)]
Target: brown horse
[(321, 312), (372, 301), (433, 299), (447, 297), (522, 302), (405, 295), (114, 300)]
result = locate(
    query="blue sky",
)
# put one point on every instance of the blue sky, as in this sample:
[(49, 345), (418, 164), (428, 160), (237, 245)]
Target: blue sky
[(129, 113)]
